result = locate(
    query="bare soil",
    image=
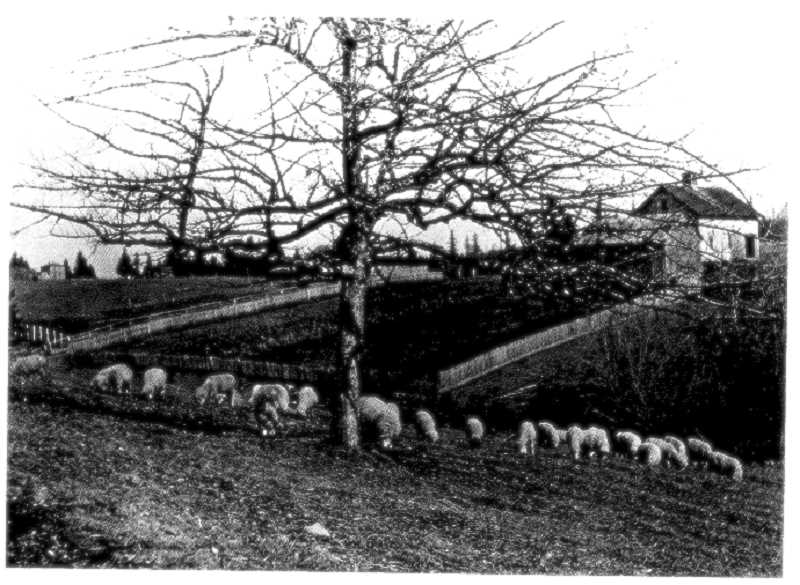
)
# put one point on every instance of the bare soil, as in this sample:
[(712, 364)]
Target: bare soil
[(108, 481)]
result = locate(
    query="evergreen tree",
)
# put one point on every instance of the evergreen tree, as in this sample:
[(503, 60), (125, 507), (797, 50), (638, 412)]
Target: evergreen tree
[(18, 261), (149, 269), (67, 270), (453, 247), (136, 266), (82, 267), (124, 266)]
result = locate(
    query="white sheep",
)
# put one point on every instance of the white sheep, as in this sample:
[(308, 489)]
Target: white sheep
[(548, 435), (562, 435), (727, 465), (699, 450), (266, 415), (670, 456), (678, 443), (154, 383), (649, 454), (277, 393), (574, 440), (426, 425), (596, 441), (591, 441), (115, 378), (475, 431), (307, 398), (395, 410), (378, 420), (526, 441), (216, 388), (627, 443), (29, 365)]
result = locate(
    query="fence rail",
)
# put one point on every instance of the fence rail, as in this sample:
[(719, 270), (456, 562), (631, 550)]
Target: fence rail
[(508, 353), (197, 315)]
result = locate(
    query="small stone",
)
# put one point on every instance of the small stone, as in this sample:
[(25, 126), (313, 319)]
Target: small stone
[(318, 529)]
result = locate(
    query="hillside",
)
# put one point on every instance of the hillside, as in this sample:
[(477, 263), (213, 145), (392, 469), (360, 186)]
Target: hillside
[(413, 330), (77, 305), (106, 481)]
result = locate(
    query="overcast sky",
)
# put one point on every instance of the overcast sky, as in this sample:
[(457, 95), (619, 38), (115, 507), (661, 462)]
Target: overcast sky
[(725, 71)]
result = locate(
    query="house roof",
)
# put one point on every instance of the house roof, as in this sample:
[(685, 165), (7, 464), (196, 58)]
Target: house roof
[(706, 202), (627, 229)]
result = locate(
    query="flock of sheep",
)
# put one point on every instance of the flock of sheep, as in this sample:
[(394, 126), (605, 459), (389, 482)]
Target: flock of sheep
[(667, 451), (269, 402), (381, 423)]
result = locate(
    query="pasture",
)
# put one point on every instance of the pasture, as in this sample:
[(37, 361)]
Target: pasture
[(413, 330), (77, 305), (110, 481)]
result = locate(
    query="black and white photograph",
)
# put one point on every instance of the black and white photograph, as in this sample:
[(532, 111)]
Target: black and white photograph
[(357, 289)]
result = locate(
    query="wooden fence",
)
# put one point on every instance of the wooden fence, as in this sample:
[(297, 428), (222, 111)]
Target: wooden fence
[(38, 334), (248, 368), (197, 315), (503, 355)]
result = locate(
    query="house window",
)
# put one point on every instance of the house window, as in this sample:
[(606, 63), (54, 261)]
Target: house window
[(750, 246), (662, 204)]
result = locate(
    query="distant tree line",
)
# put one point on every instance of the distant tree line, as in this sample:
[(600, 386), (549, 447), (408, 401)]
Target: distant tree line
[(81, 268)]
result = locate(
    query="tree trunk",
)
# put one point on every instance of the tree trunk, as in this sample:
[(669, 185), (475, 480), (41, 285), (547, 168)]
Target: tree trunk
[(352, 306)]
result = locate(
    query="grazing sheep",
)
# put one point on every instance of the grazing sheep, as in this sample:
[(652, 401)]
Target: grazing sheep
[(670, 456), (29, 365), (649, 454), (116, 378), (379, 421), (216, 388), (526, 442), (727, 465), (277, 393), (699, 450), (549, 435), (266, 415), (590, 442), (426, 425), (627, 443), (307, 398), (678, 444), (475, 431), (574, 440), (596, 441), (154, 383), (395, 411)]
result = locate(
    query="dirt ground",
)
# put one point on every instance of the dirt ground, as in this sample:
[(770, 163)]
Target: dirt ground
[(107, 481)]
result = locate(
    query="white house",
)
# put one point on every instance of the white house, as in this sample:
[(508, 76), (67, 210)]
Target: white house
[(727, 226), (690, 226)]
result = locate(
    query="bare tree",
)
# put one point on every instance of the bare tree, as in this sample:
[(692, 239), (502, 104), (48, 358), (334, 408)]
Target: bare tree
[(379, 128)]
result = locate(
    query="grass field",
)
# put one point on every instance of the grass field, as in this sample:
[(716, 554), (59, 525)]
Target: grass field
[(76, 305), (413, 330), (107, 481)]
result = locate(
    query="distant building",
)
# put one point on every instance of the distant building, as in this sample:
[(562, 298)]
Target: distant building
[(53, 271), (689, 228), (726, 226)]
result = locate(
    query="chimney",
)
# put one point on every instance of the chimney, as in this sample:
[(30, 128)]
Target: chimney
[(687, 178)]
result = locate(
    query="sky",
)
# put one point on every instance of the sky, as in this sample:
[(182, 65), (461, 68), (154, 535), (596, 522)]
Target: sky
[(723, 72)]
